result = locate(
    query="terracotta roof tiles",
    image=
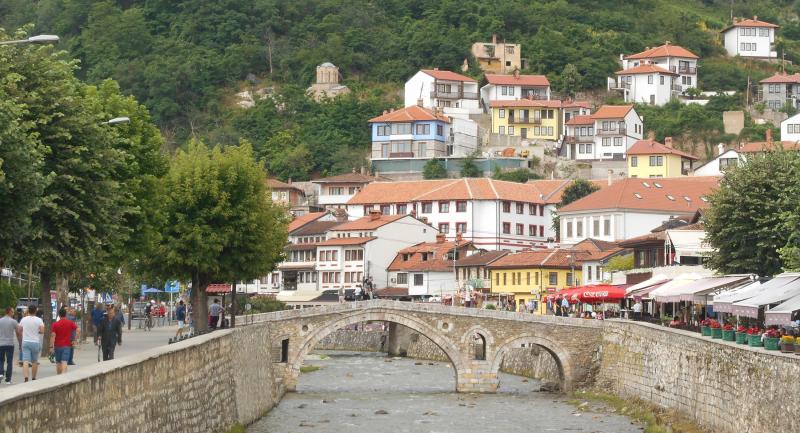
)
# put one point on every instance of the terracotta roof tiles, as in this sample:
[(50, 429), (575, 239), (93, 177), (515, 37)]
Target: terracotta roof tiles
[(447, 75), (782, 78), (436, 253), (552, 103), (666, 50), (763, 146), (346, 241), (612, 111), (368, 222), (581, 120), (349, 178), (645, 69), (411, 113), (652, 147), (518, 80), (481, 258), (754, 22), (554, 258), (303, 220)]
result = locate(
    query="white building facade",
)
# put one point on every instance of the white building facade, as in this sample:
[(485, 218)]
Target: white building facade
[(790, 128), (616, 128), (513, 87), (673, 58), (454, 93), (750, 38), (648, 84)]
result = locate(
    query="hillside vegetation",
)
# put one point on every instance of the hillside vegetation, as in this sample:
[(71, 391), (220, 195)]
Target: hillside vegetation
[(183, 58)]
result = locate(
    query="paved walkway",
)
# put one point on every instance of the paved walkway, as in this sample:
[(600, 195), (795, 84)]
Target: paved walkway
[(133, 341)]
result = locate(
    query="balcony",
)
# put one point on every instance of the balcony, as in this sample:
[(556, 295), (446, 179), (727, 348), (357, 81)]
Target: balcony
[(439, 94), (677, 88), (624, 85), (525, 120), (572, 139), (684, 70), (613, 131)]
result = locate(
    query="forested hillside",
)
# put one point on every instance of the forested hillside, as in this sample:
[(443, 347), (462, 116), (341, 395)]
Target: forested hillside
[(183, 59)]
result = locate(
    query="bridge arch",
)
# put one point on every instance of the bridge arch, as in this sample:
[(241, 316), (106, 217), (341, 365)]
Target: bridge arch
[(560, 355), (322, 330)]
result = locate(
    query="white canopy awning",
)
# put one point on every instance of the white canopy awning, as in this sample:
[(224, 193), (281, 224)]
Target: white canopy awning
[(656, 279), (779, 289), (674, 288), (689, 243), (723, 303), (782, 314), (703, 290)]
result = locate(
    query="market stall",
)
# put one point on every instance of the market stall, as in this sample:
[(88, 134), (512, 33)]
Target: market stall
[(723, 302), (782, 314), (782, 288)]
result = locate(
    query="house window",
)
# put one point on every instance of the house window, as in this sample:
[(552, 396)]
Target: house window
[(724, 163), (439, 130), (336, 190), (569, 278), (461, 206), (532, 209), (510, 130), (507, 228), (402, 209), (520, 208), (497, 278), (528, 278), (634, 161), (505, 274), (617, 141), (501, 113), (418, 279), (506, 206), (596, 228), (401, 128), (423, 128), (536, 278), (656, 161), (553, 278), (650, 79), (541, 210), (569, 229), (661, 79), (606, 141), (501, 130), (520, 229), (444, 228), (386, 209), (598, 272), (541, 231), (427, 207), (579, 228), (444, 206), (531, 230), (606, 227), (461, 227), (402, 278)]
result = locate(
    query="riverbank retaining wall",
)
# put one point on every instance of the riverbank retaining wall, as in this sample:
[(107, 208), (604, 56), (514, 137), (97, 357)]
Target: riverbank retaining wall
[(203, 384), (724, 387)]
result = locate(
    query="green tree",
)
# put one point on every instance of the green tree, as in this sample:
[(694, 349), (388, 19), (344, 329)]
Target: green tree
[(520, 175), (434, 169), (620, 263), (578, 189), (469, 168), (752, 218), (570, 80), (220, 224)]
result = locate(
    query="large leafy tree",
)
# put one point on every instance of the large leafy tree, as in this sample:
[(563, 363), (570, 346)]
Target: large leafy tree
[(753, 215), (219, 223)]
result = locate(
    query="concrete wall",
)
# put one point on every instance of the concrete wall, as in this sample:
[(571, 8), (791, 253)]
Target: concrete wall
[(204, 384), (725, 387)]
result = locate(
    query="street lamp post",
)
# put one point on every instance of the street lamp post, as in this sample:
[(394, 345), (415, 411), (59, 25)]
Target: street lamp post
[(38, 39)]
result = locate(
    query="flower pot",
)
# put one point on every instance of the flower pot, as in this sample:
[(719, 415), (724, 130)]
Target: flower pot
[(705, 331), (771, 343), (741, 338), (716, 332), (754, 341), (787, 347), (729, 335)]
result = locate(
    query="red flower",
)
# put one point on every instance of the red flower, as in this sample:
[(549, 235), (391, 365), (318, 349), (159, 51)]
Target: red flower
[(727, 327), (773, 333), (714, 324), (741, 328), (754, 331)]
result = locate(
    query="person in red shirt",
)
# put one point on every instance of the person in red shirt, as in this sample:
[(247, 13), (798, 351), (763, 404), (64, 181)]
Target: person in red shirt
[(61, 343)]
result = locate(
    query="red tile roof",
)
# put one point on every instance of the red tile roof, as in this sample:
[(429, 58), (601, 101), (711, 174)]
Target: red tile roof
[(645, 69), (368, 222), (652, 147), (410, 114), (555, 258), (763, 146), (552, 103), (303, 220), (518, 80), (750, 23), (349, 178), (218, 288), (276, 184), (782, 78), (540, 192), (612, 111), (315, 228), (481, 258), (597, 250), (448, 75), (581, 120), (438, 262), (575, 104), (346, 241), (649, 194), (666, 50)]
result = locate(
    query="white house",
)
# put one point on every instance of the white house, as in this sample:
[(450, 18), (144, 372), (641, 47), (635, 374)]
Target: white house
[(593, 263), (616, 128), (428, 268), (673, 58), (513, 87), (779, 90), (632, 207), (736, 156), (493, 214), (333, 192), (648, 84), (750, 38), (579, 138), (456, 94), (790, 128), (571, 109)]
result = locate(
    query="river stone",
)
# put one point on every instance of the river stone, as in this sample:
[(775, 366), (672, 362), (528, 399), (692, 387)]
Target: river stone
[(381, 412)]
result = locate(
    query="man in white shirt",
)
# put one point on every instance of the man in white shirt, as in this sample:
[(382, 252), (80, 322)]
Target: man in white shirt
[(637, 310), (32, 327)]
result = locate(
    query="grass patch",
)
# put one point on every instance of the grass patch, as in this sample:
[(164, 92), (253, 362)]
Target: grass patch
[(324, 357), (309, 368), (236, 428), (654, 418)]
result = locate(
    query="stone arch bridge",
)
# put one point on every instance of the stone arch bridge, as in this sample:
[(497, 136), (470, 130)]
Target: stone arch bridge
[(574, 343)]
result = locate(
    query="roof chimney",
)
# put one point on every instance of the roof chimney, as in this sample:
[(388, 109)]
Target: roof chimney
[(666, 43), (363, 170), (668, 141), (435, 69), (516, 73), (374, 215), (424, 220), (354, 170), (440, 237), (769, 138), (720, 149), (385, 111), (419, 102), (494, 38), (755, 17), (341, 215), (651, 135), (391, 110), (610, 175)]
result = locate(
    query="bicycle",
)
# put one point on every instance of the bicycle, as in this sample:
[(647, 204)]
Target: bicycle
[(148, 323)]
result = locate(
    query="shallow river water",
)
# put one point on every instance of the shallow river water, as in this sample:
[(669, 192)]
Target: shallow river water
[(367, 392)]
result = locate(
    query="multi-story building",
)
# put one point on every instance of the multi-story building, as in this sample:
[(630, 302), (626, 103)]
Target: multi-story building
[(632, 207), (737, 156), (515, 86), (454, 93), (673, 58), (285, 194), (648, 84), (472, 271), (790, 128), (498, 58), (593, 263), (528, 119), (750, 38), (333, 192), (779, 91), (616, 128), (651, 159), (531, 275), (428, 268), (493, 214), (571, 109), (579, 138)]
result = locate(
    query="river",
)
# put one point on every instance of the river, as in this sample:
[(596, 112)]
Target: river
[(367, 392)]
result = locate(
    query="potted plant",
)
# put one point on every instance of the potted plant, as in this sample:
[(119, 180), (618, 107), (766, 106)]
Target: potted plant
[(728, 334), (741, 335), (716, 329), (705, 330), (754, 337), (787, 344), (772, 339)]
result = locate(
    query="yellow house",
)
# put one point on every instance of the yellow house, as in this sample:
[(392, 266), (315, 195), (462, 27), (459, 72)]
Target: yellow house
[(534, 274), (527, 118), (651, 159)]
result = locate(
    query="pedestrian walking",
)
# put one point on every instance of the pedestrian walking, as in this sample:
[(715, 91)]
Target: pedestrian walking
[(180, 316), (637, 310), (97, 316), (358, 294), (31, 327), (564, 306), (73, 316), (61, 343), (214, 311), (109, 334), (9, 336)]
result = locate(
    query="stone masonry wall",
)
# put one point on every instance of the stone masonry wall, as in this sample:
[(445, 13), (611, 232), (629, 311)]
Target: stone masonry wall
[(727, 388), (204, 384), (357, 341)]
